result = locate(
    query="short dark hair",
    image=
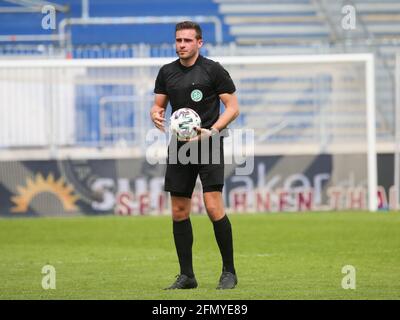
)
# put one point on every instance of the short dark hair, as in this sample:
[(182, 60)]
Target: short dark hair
[(190, 25)]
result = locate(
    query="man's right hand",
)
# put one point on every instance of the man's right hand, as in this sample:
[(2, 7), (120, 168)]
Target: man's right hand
[(158, 119)]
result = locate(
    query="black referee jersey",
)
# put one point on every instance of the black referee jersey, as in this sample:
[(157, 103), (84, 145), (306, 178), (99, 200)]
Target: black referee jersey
[(197, 87)]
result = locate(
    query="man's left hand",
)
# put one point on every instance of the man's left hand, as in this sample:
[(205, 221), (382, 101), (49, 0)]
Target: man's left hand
[(203, 133)]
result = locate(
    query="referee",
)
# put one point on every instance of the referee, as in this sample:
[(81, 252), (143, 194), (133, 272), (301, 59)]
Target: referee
[(198, 83)]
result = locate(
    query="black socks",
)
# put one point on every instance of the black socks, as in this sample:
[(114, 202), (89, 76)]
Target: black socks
[(223, 235), (183, 236)]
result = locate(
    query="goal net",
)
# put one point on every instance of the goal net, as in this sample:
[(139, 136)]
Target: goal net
[(311, 119)]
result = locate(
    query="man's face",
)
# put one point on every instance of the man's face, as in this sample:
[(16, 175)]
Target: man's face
[(186, 43)]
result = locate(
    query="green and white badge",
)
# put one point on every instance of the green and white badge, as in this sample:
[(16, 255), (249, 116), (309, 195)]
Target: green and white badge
[(196, 95)]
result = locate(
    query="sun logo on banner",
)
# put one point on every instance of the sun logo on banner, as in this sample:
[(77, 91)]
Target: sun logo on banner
[(39, 185)]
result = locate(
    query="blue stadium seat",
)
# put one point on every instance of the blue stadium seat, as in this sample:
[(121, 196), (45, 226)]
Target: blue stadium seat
[(30, 23)]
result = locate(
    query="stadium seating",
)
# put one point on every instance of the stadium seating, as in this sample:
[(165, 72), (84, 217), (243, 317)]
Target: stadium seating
[(250, 27), (375, 19), (155, 33), (244, 22), (272, 21)]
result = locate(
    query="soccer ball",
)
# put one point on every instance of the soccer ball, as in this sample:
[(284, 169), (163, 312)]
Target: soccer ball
[(183, 123)]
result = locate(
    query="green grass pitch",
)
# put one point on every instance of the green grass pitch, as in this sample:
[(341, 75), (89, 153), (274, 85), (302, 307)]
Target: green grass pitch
[(278, 256)]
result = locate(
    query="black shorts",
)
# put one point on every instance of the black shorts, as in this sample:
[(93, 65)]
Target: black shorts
[(180, 177)]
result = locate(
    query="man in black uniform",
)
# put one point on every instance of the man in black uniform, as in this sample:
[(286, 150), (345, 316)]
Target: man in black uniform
[(198, 83)]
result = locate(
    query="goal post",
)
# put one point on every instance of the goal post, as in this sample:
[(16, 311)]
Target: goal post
[(369, 65), (397, 131)]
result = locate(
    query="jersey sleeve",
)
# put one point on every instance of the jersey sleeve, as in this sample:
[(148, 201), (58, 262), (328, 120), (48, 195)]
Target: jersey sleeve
[(160, 83), (222, 80)]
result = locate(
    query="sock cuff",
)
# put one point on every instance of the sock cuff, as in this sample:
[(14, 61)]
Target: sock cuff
[(183, 226), (222, 224)]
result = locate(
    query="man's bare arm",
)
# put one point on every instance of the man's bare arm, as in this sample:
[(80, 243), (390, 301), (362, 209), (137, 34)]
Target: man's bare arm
[(157, 112), (230, 113)]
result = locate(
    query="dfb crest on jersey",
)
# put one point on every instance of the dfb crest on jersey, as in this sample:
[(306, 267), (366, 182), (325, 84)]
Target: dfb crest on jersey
[(196, 95)]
